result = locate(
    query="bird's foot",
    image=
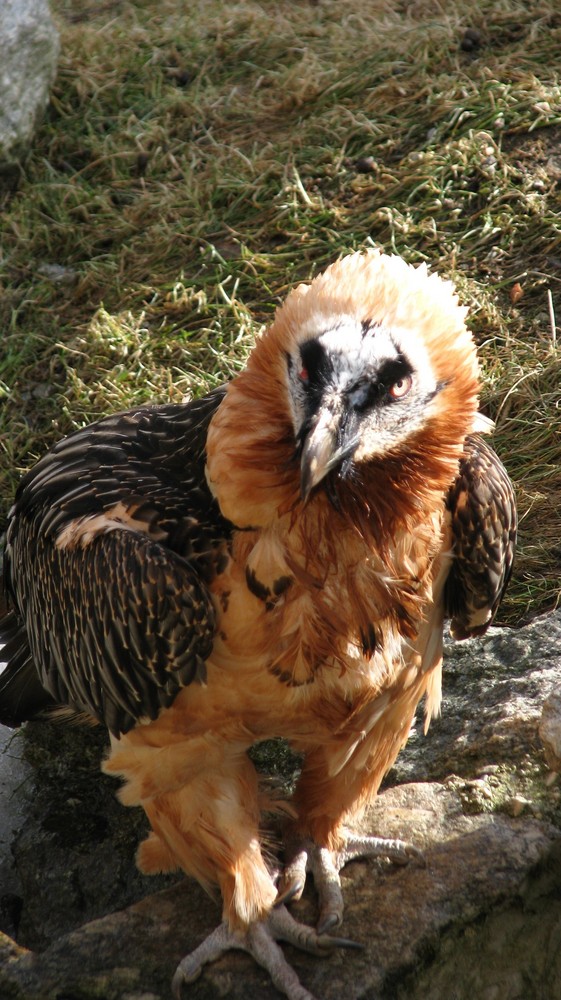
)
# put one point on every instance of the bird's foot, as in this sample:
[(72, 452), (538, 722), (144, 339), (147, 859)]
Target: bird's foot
[(325, 866), (260, 941)]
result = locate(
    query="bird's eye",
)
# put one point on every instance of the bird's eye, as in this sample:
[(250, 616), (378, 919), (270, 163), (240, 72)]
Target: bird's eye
[(304, 375), (400, 388)]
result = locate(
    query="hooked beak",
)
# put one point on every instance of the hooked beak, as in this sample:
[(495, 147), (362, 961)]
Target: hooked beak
[(327, 446)]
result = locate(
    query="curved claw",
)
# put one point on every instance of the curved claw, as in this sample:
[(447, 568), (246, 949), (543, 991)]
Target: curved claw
[(293, 876), (339, 942), (285, 928), (330, 920), (411, 854), (290, 894)]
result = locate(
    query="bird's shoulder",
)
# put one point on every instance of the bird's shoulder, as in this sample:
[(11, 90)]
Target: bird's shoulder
[(482, 508), (144, 468)]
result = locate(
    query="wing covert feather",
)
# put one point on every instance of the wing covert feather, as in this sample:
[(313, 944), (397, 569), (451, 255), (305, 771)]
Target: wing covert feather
[(483, 513), (125, 625)]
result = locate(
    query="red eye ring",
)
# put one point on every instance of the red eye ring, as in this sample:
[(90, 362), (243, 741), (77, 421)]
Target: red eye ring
[(400, 388), (303, 375)]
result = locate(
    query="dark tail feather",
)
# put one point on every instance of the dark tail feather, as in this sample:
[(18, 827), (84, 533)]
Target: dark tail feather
[(22, 696)]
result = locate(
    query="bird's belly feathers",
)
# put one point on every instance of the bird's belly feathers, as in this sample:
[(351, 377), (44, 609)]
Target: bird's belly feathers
[(297, 662), (355, 714), (273, 671)]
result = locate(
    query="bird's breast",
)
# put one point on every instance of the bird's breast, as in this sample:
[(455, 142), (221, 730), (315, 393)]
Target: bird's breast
[(294, 631)]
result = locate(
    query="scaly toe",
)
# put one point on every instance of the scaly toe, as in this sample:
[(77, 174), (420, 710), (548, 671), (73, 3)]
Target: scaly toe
[(397, 851), (191, 966), (293, 877), (285, 928), (260, 941), (325, 866)]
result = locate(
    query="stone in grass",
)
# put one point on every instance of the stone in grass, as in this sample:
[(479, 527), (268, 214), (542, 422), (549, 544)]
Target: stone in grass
[(29, 44)]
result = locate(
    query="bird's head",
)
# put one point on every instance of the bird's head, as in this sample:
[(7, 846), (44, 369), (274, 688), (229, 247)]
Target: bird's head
[(379, 362), (365, 383), (357, 390)]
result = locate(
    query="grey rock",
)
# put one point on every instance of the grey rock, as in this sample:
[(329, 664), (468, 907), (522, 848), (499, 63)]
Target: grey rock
[(29, 43), (15, 803), (472, 865), (74, 852), (58, 273), (550, 730), (494, 691)]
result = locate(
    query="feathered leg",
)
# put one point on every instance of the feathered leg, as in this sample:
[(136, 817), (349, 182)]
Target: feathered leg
[(337, 783), (201, 797), (208, 826)]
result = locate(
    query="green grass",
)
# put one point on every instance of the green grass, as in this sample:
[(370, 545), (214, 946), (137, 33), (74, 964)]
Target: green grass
[(198, 159)]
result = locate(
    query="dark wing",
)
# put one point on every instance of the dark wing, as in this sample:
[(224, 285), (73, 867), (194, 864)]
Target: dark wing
[(483, 511), (112, 540), (22, 696)]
